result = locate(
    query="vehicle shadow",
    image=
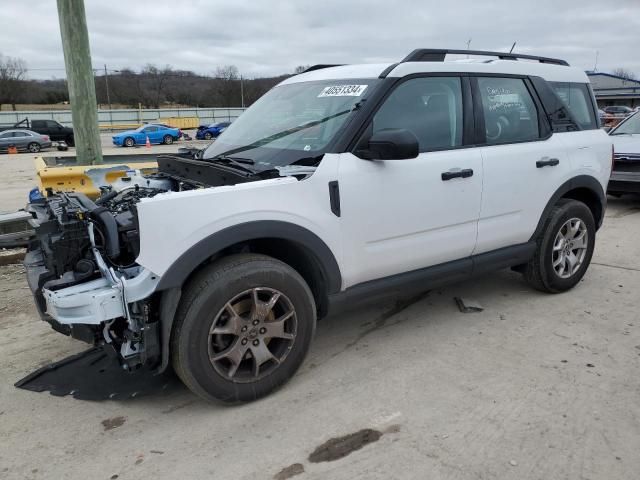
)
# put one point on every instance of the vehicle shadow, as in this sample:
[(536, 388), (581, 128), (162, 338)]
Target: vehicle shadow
[(364, 329)]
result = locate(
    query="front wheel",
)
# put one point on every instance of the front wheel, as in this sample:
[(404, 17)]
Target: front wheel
[(243, 328), (129, 142), (167, 140), (564, 248), (208, 136)]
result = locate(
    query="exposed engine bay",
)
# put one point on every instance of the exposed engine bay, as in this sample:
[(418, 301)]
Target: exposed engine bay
[(91, 247)]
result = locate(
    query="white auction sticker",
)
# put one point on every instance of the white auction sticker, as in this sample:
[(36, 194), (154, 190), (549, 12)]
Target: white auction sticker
[(343, 91)]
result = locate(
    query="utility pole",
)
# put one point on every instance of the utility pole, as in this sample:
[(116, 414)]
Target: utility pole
[(106, 86), (241, 91), (82, 89)]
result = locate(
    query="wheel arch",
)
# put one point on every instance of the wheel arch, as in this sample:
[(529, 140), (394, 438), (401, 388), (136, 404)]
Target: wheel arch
[(297, 246), (584, 188)]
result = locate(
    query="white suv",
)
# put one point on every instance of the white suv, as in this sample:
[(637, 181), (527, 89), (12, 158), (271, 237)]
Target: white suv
[(340, 183)]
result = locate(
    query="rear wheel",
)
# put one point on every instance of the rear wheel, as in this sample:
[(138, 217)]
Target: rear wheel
[(167, 140), (208, 136), (565, 247), (243, 328), (33, 147), (129, 142)]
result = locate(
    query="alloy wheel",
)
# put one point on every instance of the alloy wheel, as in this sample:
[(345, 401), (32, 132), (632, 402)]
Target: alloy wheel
[(252, 334), (570, 247)]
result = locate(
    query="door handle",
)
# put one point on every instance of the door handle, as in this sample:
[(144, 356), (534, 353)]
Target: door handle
[(547, 162), (464, 173)]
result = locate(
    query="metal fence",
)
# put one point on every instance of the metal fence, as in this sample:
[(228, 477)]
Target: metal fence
[(115, 117)]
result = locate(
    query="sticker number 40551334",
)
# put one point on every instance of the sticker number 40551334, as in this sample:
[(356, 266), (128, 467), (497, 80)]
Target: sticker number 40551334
[(343, 91)]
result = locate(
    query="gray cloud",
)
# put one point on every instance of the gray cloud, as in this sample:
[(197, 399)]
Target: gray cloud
[(271, 37)]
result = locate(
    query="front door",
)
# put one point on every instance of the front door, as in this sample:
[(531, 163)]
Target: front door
[(154, 134), (404, 215)]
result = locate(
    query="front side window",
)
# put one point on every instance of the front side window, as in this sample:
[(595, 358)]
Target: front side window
[(151, 129), (510, 114), (577, 98), (430, 108)]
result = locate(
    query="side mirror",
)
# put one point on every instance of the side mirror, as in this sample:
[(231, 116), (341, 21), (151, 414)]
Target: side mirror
[(391, 144)]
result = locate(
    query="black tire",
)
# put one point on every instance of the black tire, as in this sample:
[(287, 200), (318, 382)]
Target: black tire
[(208, 293), (33, 147), (129, 142), (167, 140), (539, 271), (208, 136), (70, 141)]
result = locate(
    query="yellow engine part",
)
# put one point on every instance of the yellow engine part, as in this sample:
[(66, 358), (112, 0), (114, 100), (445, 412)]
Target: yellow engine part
[(85, 179)]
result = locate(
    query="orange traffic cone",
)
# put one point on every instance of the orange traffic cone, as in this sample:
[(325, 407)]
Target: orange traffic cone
[(148, 143)]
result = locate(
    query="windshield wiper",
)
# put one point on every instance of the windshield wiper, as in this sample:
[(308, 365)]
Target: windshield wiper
[(236, 162), (279, 135)]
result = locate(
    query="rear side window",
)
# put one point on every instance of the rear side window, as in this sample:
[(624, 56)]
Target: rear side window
[(577, 98), (510, 114)]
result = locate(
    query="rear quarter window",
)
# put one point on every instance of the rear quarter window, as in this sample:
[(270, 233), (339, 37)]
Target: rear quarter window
[(577, 98)]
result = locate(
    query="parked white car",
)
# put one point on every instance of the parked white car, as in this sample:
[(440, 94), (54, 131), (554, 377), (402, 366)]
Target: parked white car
[(341, 183), (625, 177)]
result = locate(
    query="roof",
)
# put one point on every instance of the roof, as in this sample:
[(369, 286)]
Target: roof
[(551, 72), (621, 81), (13, 130)]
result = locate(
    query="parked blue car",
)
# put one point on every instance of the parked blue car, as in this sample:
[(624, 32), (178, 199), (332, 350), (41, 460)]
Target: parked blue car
[(211, 131), (156, 133)]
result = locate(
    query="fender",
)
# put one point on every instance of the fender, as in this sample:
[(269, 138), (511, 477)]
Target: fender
[(581, 181), (180, 270)]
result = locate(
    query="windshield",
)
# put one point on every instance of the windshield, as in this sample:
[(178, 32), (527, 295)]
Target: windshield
[(291, 122), (630, 126)]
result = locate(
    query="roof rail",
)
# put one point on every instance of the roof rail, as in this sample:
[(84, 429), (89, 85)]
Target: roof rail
[(437, 55), (320, 66)]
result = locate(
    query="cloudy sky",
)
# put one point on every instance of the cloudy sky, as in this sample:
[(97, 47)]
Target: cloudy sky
[(265, 37)]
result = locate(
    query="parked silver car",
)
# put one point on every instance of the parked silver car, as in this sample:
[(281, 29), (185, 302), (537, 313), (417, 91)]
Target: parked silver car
[(23, 140)]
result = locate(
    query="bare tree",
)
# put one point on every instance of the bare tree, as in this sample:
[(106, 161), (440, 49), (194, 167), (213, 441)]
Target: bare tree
[(158, 77), (225, 87), (228, 72), (300, 69), (12, 74), (624, 73)]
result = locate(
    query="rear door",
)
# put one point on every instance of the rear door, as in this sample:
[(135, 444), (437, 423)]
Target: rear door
[(523, 163)]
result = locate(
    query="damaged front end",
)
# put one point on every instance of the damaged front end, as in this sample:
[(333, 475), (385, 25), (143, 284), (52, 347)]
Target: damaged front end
[(81, 269), (82, 265)]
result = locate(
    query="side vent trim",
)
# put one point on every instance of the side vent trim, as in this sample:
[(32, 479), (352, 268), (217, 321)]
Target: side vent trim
[(334, 197)]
